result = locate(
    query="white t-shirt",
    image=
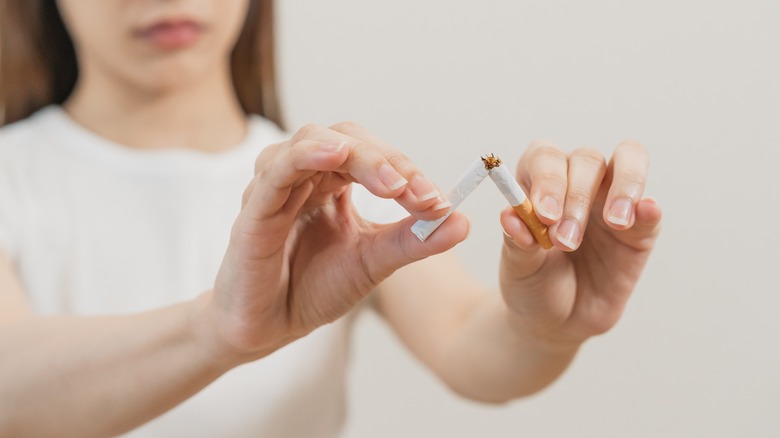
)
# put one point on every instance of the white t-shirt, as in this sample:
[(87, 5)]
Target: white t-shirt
[(93, 227)]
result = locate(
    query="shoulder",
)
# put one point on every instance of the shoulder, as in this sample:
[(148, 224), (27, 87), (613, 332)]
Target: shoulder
[(24, 137), (16, 135)]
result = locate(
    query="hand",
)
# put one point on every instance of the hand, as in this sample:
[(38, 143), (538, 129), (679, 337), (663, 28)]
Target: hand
[(299, 255), (602, 231)]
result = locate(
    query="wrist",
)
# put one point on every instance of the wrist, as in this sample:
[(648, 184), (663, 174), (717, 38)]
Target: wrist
[(205, 329)]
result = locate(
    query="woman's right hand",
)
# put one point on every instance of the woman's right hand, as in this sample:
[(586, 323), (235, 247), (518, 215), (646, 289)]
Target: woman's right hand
[(299, 255)]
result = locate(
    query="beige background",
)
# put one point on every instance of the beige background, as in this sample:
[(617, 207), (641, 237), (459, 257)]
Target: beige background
[(698, 350)]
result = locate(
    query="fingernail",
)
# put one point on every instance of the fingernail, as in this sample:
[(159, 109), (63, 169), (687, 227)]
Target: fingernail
[(568, 233), (620, 212), (391, 178), (428, 196), (506, 234), (442, 204), (332, 148), (423, 189), (549, 207)]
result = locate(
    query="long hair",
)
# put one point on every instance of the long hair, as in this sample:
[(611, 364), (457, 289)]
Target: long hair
[(38, 65)]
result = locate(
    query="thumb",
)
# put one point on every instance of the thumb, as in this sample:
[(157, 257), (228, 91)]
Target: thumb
[(521, 251), (394, 245)]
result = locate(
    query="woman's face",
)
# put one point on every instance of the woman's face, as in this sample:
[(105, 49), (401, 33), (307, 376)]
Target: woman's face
[(153, 44)]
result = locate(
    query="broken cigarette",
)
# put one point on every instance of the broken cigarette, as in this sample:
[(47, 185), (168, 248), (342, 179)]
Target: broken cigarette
[(467, 183), (490, 165), (520, 203)]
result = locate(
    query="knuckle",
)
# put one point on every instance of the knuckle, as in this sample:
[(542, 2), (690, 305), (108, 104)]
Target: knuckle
[(272, 149), (631, 177), (579, 199), (601, 325), (307, 131), (541, 142), (632, 144), (604, 314), (633, 148), (397, 158), (251, 186), (545, 147), (265, 156), (551, 180), (246, 195), (366, 152), (259, 162), (590, 156), (346, 126), (360, 150), (237, 232)]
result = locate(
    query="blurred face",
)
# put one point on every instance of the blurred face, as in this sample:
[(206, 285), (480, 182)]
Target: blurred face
[(153, 44)]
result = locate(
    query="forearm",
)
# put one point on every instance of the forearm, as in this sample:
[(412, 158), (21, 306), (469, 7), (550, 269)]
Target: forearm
[(87, 376), (490, 357), (466, 334)]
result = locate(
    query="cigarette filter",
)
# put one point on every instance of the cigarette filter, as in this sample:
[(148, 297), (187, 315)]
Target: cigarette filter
[(513, 193), (470, 180), (506, 183)]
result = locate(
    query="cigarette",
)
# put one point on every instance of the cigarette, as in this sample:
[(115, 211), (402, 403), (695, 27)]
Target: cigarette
[(520, 203), (470, 180), (506, 183)]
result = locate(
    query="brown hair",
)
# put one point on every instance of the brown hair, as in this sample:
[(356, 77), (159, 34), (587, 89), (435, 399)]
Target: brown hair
[(38, 65)]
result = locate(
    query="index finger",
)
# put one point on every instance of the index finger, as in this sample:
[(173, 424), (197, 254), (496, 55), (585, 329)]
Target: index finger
[(544, 170), (361, 160), (420, 197)]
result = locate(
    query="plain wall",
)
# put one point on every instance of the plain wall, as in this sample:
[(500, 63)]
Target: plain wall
[(697, 352)]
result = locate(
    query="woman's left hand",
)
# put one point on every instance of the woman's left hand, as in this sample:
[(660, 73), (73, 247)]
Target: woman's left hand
[(603, 232)]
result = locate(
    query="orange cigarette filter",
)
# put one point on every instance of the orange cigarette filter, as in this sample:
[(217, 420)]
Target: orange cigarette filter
[(520, 203), (538, 229)]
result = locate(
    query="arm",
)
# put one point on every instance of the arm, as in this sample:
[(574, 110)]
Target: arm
[(98, 376), (290, 267), (465, 333), (495, 347)]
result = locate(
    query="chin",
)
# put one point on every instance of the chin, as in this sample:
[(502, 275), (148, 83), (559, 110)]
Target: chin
[(173, 72)]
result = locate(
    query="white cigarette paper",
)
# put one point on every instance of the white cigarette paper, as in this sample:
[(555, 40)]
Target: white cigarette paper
[(508, 185), (520, 203), (470, 180)]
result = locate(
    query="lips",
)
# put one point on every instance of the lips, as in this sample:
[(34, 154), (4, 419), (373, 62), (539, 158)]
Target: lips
[(171, 34)]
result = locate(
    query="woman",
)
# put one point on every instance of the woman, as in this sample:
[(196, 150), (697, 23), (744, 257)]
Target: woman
[(130, 138)]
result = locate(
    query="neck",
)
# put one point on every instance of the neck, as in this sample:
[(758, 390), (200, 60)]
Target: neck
[(202, 115)]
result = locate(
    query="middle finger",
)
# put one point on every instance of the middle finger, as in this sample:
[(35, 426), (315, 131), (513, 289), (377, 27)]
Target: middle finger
[(586, 170)]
